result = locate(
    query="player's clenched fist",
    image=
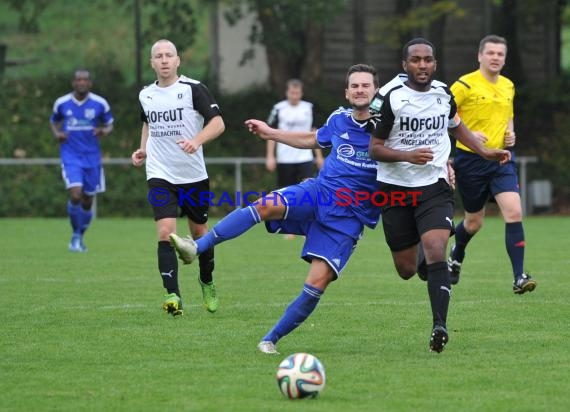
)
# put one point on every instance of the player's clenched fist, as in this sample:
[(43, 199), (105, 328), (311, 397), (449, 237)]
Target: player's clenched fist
[(138, 157)]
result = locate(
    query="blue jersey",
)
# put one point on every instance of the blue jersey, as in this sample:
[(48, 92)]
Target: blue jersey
[(79, 118), (348, 172)]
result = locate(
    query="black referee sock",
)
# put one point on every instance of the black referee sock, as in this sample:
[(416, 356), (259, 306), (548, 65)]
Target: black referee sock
[(206, 260), (439, 290), (168, 266)]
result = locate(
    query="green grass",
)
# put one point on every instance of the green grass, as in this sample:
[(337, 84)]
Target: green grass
[(84, 332), (85, 33)]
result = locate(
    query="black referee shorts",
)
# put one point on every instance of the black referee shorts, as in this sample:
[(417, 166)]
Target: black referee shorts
[(404, 222)]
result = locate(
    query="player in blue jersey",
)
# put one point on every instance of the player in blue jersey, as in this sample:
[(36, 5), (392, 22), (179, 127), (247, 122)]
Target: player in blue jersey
[(410, 141), (78, 121), (324, 209)]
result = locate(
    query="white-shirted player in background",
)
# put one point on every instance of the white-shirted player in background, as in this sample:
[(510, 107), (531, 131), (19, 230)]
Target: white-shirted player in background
[(179, 116), (293, 165), (410, 141)]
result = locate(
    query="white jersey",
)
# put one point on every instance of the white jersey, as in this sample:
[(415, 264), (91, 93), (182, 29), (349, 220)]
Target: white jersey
[(409, 120), (293, 118), (176, 112)]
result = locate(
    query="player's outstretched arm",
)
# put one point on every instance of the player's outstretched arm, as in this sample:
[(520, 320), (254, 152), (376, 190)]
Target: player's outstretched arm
[(301, 140), (465, 136)]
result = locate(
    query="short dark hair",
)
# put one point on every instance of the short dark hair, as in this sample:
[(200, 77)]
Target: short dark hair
[(491, 38), (81, 70), (418, 40), (361, 67), (294, 83)]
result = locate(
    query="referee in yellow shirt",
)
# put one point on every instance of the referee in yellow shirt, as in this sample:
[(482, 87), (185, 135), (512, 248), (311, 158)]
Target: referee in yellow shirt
[(484, 101)]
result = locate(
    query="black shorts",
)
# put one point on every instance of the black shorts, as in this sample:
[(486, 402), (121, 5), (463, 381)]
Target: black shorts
[(404, 224), (289, 174), (167, 198)]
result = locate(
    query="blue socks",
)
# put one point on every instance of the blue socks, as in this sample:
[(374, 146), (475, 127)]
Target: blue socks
[(85, 217), (231, 226), (514, 241), (74, 213), (296, 313), (462, 238), (79, 217)]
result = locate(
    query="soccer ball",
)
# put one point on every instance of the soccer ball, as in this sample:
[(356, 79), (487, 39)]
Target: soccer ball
[(301, 375)]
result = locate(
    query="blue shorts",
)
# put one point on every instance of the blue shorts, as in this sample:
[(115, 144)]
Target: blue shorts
[(479, 180), (89, 177), (327, 237)]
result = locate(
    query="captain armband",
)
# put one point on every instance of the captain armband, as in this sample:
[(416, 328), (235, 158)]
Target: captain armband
[(454, 121)]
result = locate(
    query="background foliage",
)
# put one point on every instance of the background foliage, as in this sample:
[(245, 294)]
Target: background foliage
[(46, 62)]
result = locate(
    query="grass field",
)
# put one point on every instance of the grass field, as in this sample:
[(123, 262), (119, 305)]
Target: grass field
[(84, 332)]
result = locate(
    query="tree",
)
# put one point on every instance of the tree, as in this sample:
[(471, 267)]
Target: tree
[(292, 33), (427, 16), (30, 12), (174, 20)]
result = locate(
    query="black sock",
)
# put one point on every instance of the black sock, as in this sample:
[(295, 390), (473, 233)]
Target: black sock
[(462, 238), (168, 267), (206, 260), (439, 290)]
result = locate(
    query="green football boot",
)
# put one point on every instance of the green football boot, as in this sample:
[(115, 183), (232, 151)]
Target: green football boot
[(173, 305), (209, 296)]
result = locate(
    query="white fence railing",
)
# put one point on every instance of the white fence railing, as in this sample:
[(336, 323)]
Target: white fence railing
[(238, 162)]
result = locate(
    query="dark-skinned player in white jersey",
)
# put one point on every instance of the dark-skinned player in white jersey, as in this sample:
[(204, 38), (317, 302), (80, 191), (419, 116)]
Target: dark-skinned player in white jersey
[(179, 116), (410, 140)]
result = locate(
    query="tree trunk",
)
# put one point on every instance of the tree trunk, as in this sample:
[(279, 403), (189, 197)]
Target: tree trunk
[(402, 7), (436, 36), (311, 70), (504, 23), (279, 68), (306, 64)]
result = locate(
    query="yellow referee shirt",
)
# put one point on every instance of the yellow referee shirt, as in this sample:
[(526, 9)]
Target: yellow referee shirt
[(484, 106)]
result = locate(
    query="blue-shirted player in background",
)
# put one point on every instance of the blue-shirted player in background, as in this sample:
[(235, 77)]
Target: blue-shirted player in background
[(78, 121), (332, 226)]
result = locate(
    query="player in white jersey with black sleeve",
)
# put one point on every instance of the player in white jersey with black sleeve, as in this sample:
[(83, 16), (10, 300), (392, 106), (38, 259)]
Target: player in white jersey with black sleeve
[(293, 165), (179, 116), (410, 140)]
